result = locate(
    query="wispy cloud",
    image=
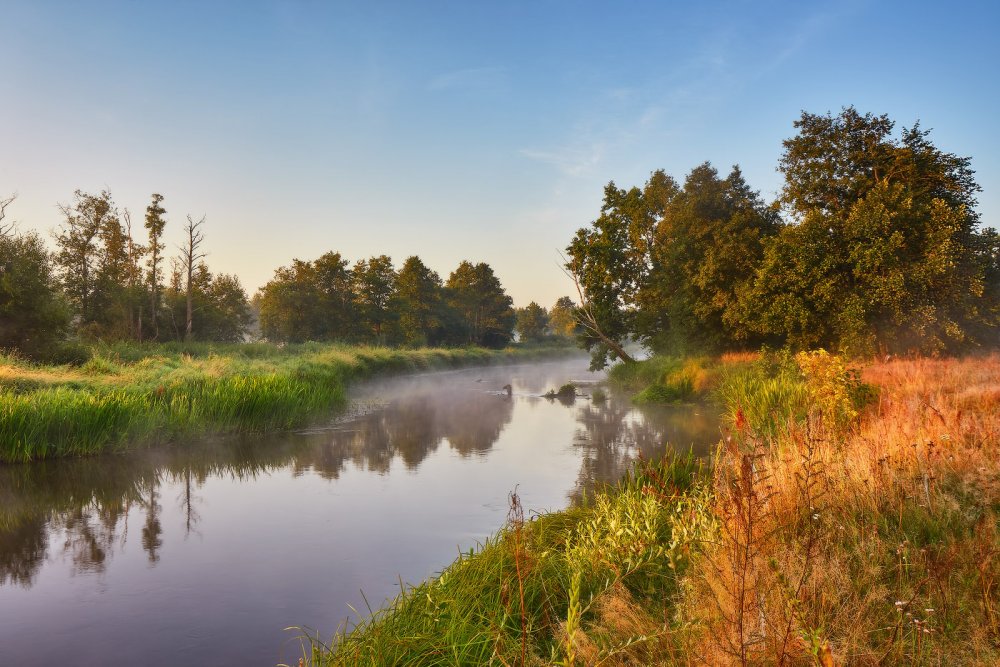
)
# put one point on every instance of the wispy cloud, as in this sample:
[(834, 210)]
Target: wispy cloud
[(571, 160), (471, 78)]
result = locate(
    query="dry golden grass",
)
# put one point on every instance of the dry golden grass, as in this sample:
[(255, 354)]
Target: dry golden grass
[(874, 543), (739, 357)]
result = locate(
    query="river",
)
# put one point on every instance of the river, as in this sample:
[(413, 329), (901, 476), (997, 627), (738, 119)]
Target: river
[(203, 553)]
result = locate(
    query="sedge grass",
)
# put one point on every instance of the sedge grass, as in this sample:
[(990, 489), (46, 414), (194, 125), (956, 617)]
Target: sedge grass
[(130, 395)]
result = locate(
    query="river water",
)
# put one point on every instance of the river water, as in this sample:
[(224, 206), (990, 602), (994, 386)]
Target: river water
[(203, 553)]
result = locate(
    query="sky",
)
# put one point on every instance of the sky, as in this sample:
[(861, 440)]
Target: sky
[(470, 130)]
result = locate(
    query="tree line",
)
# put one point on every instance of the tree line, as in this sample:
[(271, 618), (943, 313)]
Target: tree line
[(372, 302), (874, 245), (104, 282)]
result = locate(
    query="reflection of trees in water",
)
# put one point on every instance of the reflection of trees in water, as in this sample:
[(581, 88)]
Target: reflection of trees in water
[(86, 503), (613, 434), (23, 549), (411, 428)]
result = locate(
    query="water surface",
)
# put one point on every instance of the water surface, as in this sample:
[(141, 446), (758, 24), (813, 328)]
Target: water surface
[(202, 553)]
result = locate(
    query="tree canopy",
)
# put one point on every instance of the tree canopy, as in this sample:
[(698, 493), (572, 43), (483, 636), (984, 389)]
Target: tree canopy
[(873, 245)]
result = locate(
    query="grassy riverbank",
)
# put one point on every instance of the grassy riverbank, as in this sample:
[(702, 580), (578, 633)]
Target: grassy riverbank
[(131, 395), (844, 519)]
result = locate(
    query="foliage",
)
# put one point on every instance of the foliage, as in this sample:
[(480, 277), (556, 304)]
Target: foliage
[(707, 246), (419, 304), (482, 306), (885, 253), (611, 261), (880, 250), (33, 314), (374, 287), (562, 318), (665, 379), (308, 301), (532, 321), (835, 390)]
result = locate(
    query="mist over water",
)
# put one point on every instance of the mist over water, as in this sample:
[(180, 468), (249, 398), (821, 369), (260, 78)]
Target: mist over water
[(202, 553)]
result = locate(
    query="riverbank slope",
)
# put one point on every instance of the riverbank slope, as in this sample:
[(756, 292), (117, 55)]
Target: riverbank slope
[(845, 518)]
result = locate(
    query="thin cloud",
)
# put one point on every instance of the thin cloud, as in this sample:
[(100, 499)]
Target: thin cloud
[(472, 78), (572, 161)]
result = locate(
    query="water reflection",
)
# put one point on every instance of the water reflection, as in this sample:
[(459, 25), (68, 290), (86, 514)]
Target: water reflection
[(79, 511)]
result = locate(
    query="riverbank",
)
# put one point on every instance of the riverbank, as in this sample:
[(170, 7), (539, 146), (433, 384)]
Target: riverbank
[(845, 518), (130, 395)]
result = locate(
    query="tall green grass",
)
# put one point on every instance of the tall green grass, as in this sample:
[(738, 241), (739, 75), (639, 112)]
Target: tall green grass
[(129, 395), (547, 591), (663, 379)]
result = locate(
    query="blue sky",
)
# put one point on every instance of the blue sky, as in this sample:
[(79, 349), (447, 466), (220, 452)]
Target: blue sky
[(454, 130)]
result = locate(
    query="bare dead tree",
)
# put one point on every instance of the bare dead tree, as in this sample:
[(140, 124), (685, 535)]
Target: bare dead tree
[(8, 228), (190, 256)]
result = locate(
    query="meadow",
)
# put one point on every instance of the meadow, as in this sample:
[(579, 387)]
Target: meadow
[(131, 395), (848, 516)]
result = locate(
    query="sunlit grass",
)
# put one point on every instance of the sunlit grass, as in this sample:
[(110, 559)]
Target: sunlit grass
[(835, 525), (129, 395)]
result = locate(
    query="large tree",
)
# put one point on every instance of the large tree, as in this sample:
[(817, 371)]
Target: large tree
[(418, 304), (309, 301), (884, 252), (484, 309), (79, 251), (610, 262), (33, 314), (374, 288), (562, 318), (155, 223), (532, 321), (707, 246)]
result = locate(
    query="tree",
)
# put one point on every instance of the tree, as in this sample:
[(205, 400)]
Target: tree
[(532, 321), (562, 318), (308, 301), (220, 302), (191, 255), (884, 253), (228, 314), (78, 250), (110, 315), (374, 287), (610, 263), (707, 247), (418, 304), (155, 222), (337, 315), (484, 310), (33, 315)]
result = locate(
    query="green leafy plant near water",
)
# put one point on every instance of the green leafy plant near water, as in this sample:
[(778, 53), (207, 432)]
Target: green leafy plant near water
[(129, 395)]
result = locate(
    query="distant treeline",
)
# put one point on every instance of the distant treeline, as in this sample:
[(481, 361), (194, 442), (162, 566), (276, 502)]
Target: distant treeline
[(372, 302), (873, 246), (103, 283)]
